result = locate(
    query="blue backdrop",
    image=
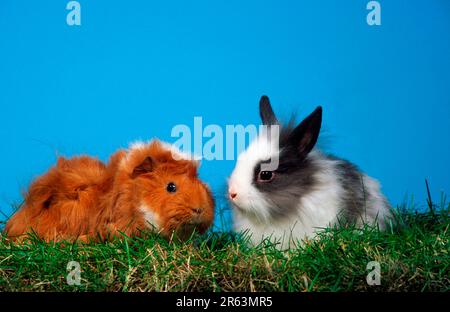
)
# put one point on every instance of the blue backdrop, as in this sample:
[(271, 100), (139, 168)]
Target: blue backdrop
[(135, 69)]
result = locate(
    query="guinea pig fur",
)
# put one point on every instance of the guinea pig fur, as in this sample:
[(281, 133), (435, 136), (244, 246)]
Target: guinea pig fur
[(150, 185)]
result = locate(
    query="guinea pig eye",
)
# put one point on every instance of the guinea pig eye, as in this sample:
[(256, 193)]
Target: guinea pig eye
[(266, 176), (171, 187)]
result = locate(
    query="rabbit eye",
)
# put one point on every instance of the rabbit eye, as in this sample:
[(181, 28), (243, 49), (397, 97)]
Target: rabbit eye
[(171, 187), (266, 176)]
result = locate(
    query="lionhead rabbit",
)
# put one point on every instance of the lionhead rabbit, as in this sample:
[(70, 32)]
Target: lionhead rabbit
[(307, 191)]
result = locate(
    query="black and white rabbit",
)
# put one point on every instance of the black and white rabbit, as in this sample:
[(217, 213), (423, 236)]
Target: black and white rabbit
[(308, 190)]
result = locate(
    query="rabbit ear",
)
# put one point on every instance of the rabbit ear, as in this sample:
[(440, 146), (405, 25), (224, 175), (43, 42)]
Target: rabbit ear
[(146, 166), (266, 112), (305, 135)]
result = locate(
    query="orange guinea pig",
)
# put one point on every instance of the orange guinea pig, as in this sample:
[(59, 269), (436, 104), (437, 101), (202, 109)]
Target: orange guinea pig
[(150, 185)]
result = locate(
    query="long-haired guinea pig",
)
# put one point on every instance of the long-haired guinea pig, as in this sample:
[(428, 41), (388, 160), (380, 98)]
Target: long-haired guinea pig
[(150, 185), (307, 190)]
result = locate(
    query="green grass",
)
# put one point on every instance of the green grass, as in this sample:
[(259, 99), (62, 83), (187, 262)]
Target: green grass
[(413, 254)]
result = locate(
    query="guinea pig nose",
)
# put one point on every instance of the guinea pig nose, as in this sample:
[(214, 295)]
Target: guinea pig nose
[(197, 210), (232, 195)]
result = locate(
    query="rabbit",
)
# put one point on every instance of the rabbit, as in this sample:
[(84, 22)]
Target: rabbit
[(151, 185), (309, 190)]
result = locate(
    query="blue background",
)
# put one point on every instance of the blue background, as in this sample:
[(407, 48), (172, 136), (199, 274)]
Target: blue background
[(135, 69)]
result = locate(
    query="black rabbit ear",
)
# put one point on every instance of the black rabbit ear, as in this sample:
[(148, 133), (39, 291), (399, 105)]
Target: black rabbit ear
[(305, 135), (266, 112)]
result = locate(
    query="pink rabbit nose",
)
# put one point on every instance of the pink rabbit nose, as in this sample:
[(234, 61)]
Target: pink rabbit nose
[(232, 193)]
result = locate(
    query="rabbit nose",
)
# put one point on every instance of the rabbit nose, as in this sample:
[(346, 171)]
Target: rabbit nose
[(197, 210), (232, 193)]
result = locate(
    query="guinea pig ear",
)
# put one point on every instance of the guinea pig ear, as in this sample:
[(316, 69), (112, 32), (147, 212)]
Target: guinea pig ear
[(146, 166), (305, 135), (266, 112)]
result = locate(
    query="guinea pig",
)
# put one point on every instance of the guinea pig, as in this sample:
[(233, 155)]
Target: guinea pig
[(307, 190), (149, 186)]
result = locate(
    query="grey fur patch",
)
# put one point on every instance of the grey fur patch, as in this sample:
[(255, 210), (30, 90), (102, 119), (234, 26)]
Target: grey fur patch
[(355, 197), (356, 200), (293, 179), (296, 178)]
